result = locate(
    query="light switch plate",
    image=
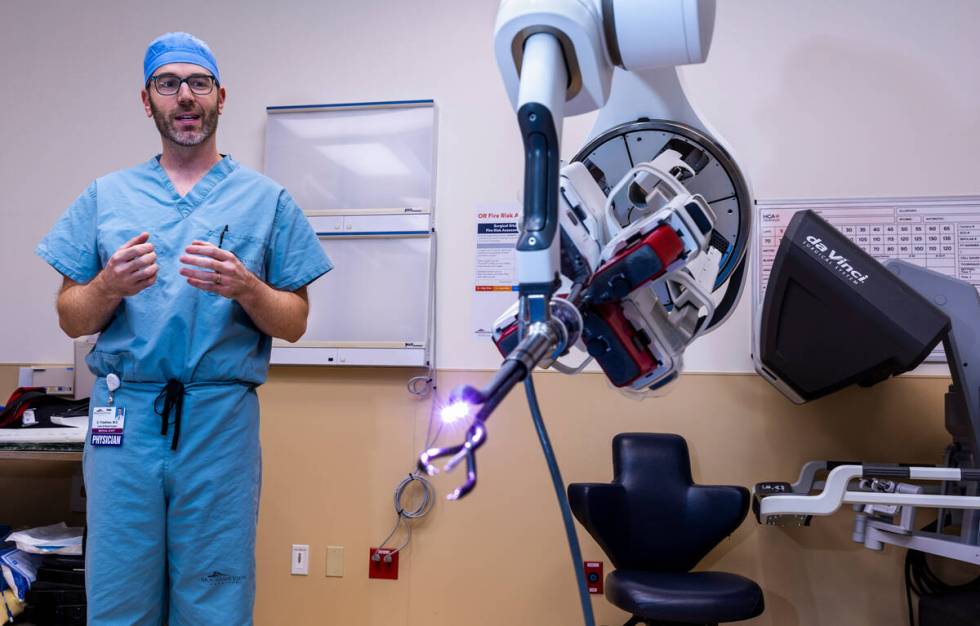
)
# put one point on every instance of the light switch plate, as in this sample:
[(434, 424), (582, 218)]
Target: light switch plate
[(300, 560), (335, 561)]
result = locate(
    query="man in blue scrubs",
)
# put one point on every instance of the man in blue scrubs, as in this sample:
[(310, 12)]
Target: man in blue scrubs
[(188, 265)]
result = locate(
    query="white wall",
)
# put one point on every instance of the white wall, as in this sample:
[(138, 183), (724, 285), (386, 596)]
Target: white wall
[(818, 99)]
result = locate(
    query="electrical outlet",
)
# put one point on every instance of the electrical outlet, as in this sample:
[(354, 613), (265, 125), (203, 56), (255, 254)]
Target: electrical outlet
[(383, 563), (335, 561), (300, 564), (593, 576)]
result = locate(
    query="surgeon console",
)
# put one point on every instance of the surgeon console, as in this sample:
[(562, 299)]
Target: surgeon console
[(833, 316)]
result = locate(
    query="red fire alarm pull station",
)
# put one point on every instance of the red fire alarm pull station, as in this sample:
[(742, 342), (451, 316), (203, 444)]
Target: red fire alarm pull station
[(593, 576)]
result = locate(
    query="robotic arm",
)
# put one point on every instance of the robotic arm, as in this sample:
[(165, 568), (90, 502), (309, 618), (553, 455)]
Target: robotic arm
[(616, 272), (655, 260), (558, 56)]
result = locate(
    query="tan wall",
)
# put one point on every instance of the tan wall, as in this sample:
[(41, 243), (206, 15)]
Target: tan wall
[(336, 442)]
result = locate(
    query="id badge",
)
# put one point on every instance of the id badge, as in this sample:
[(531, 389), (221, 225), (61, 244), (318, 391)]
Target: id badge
[(108, 423)]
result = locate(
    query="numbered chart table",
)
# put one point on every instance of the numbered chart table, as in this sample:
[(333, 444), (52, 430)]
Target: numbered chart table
[(939, 233)]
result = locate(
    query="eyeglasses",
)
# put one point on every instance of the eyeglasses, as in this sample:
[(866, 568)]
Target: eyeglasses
[(169, 84)]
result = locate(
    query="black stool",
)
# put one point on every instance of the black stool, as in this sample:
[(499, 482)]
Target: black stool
[(655, 524)]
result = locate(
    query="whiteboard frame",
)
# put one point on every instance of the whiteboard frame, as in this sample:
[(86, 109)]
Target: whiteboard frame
[(372, 353)]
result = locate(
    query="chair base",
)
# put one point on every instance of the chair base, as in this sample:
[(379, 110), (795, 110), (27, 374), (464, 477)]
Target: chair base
[(637, 621)]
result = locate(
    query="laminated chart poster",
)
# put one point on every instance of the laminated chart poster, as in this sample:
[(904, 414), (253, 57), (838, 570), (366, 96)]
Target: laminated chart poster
[(495, 272), (939, 233)]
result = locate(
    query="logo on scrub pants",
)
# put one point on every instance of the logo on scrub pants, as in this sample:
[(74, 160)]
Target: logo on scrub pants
[(217, 578)]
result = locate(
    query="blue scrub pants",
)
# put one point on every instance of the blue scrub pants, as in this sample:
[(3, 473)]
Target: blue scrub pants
[(171, 533)]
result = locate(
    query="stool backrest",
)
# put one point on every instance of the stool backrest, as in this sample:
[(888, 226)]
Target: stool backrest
[(659, 520)]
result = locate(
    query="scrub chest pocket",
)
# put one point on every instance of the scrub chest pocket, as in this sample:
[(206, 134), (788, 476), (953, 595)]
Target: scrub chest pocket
[(251, 251)]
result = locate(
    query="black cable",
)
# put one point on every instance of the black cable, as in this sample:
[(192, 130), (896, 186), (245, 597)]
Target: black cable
[(908, 590), (922, 581), (566, 510)]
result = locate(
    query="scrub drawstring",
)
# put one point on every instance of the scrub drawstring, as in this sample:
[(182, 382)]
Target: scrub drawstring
[(172, 397)]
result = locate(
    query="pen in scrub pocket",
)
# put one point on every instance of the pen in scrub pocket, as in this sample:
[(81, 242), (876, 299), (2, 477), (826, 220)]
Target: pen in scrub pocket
[(221, 239)]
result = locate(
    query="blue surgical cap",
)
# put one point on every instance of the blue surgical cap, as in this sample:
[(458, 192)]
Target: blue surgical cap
[(178, 48)]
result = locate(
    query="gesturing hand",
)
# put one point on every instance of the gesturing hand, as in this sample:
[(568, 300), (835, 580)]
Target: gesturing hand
[(131, 269), (227, 276)]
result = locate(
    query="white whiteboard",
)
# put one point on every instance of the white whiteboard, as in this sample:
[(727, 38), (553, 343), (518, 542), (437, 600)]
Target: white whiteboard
[(353, 156), (369, 314), (371, 296), (363, 174)]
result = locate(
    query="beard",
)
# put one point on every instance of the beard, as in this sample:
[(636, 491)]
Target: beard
[(166, 124)]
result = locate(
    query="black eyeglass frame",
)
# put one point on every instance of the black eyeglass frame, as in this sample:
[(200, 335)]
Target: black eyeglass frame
[(156, 85)]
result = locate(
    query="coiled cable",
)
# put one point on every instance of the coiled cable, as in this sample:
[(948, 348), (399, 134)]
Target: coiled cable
[(407, 516)]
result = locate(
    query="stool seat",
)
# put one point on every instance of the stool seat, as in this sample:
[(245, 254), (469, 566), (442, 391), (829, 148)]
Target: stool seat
[(688, 598)]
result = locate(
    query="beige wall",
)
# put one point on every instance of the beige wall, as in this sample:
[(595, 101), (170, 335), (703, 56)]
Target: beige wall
[(336, 442)]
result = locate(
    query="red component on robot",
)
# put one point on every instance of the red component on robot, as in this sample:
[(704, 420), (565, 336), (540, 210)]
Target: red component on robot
[(621, 350), (646, 259), (506, 340)]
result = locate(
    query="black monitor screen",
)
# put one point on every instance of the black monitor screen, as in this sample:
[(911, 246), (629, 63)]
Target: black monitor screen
[(834, 316)]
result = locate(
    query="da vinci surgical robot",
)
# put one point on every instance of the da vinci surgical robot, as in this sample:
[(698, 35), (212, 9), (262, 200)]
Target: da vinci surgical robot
[(648, 224)]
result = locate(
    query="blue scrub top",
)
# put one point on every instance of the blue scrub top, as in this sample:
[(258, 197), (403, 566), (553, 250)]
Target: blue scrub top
[(172, 330)]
